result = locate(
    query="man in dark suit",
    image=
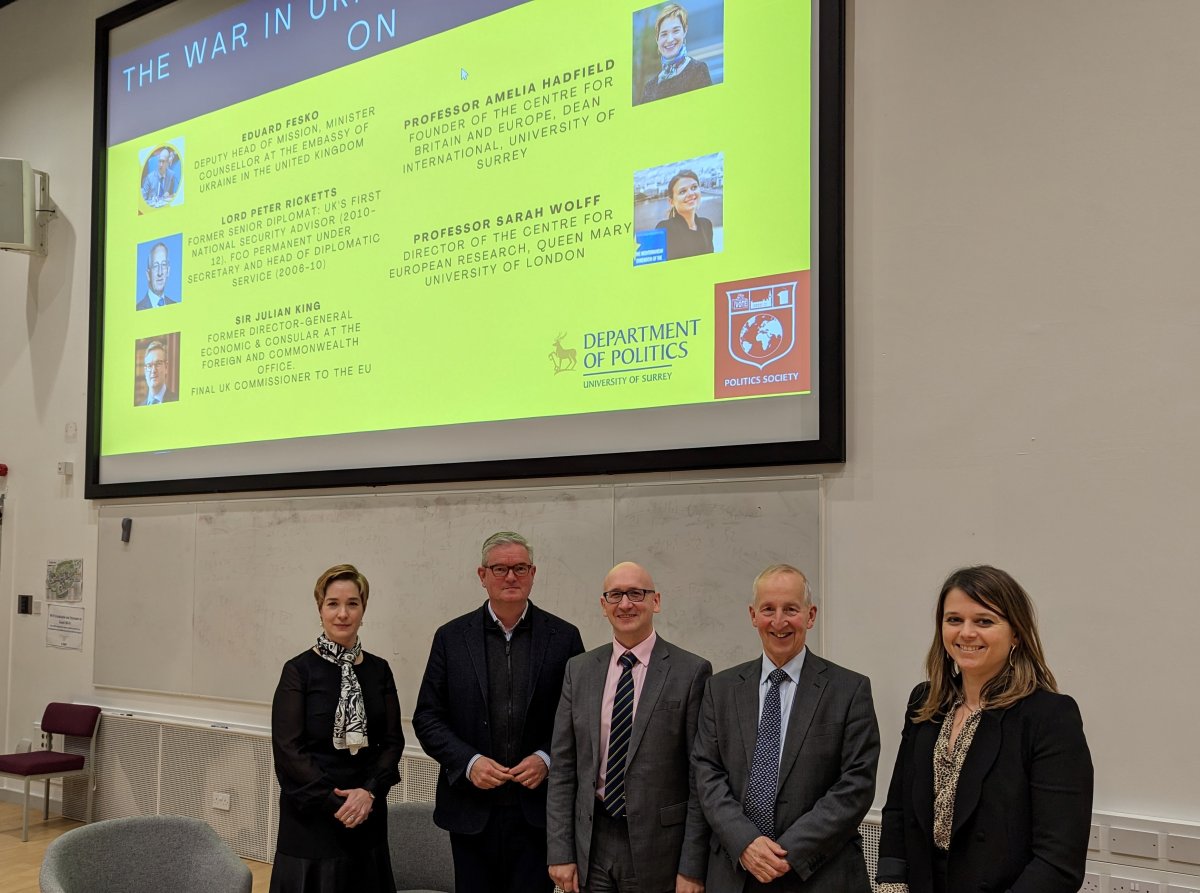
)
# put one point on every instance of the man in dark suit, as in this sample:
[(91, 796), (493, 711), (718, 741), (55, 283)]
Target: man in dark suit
[(485, 712), (785, 757), (156, 370), (621, 812), (160, 183), (158, 270)]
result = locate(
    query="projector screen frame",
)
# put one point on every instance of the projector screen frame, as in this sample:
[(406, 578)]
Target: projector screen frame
[(829, 272)]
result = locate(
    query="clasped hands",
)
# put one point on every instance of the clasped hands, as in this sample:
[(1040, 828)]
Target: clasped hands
[(357, 807), (764, 859), (487, 773)]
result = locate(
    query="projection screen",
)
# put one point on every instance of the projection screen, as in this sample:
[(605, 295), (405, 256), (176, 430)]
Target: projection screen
[(372, 242)]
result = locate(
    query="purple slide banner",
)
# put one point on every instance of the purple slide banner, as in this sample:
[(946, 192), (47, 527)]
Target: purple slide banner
[(262, 45)]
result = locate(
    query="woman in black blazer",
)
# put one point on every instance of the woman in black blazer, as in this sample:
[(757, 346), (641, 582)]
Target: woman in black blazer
[(688, 234), (992, 788)]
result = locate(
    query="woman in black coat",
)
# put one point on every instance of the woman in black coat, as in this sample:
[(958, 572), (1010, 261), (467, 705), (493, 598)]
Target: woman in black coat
[(337, 741), (992, 788)]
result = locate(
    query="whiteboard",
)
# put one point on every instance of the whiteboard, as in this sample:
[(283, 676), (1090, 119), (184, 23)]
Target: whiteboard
[(210, 598)]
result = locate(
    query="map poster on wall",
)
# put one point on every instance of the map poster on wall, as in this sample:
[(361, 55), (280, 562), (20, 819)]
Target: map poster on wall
[(64, 580)]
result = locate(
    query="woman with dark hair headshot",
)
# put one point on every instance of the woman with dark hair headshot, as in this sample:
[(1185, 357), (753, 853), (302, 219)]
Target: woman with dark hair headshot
[(688, 234), (992, 788), (679, 72), (337, 740)]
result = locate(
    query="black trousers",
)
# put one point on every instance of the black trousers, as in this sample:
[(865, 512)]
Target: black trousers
[(507, 856), (786, 884)]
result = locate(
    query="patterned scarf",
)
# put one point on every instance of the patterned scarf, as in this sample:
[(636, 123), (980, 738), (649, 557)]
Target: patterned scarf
[(674, 65), (350, 720)]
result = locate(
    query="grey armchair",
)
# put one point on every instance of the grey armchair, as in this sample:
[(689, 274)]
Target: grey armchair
[(420, 850), (145, 854)]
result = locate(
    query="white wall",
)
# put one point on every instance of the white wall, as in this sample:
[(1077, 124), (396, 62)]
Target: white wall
[(1023, 353), (1023, 376)]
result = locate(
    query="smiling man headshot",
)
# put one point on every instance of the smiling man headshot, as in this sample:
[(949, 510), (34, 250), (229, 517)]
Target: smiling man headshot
[(785, 757), (158, 270), (156, 370), (622, 815)]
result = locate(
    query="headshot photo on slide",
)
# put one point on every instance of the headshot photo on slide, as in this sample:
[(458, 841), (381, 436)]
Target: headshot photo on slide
[(678, 47), (159, 272), (161, 182), (156, 370), (678, 209)]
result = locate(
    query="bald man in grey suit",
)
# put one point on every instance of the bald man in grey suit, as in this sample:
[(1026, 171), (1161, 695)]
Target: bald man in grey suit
[(631, 824)]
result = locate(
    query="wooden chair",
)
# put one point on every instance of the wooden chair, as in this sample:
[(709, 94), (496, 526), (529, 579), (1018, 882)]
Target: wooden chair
[(75, 720)]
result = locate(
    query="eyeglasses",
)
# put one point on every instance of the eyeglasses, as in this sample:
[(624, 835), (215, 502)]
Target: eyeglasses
[(502, 570), (614, 596), (157, 364), (160, 267)]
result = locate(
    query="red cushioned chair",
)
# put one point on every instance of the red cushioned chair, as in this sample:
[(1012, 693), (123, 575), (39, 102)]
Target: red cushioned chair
[(75, 720)]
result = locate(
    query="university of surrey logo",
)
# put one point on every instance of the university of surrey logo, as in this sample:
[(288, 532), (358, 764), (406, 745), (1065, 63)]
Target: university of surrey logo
[(762, 323), (563, 358)]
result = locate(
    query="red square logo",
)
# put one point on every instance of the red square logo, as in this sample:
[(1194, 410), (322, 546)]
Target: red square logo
[(762, 331)]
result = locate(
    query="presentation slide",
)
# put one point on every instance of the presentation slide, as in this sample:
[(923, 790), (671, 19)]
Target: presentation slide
[(345, 234)]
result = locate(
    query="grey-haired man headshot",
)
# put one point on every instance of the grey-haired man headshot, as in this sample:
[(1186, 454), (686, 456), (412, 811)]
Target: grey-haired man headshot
[(158, 270), (160, 183)]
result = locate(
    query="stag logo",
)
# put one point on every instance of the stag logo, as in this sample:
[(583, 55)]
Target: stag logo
[(563, 358)]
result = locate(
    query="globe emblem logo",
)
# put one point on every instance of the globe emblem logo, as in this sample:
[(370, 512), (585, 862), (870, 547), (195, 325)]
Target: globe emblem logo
[(762, 322), (761, 337)]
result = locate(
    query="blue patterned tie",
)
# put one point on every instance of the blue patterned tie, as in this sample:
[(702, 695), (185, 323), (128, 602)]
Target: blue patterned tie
[(618, 739), (764, 773)]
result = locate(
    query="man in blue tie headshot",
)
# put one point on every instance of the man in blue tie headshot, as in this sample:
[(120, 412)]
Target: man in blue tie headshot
[(785, 757), (621, 812), (156, 370), (158, 269)]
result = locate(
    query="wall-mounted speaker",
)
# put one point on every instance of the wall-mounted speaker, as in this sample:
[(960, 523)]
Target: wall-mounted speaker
[(18, 205)]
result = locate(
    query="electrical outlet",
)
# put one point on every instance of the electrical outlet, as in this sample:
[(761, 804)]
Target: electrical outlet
[(1129, 885), (220, 800), (1094, 839), (1091, 882)]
